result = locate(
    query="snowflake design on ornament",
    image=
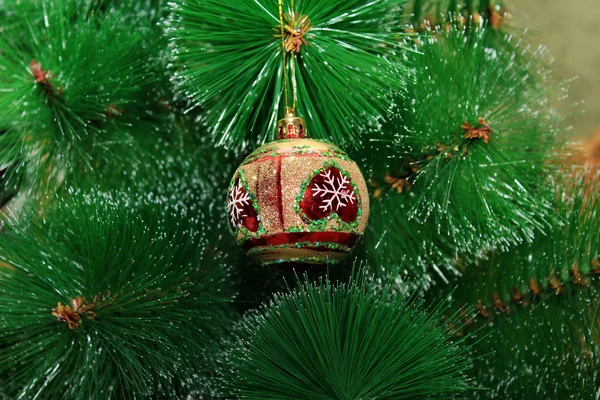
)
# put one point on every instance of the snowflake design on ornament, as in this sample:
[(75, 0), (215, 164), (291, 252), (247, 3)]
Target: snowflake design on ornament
[(332, 190), (238, 198)]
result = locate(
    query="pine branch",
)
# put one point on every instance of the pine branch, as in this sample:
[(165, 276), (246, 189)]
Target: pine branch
[(352, 341), (428, 14), (403, 248), (481, 143), (74, 78), (231, 64), (115, 295), (546, 351), (543, 301), (568, 253)]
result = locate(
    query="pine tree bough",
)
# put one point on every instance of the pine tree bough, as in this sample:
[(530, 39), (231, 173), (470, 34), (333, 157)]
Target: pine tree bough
[(236, 75), (357, 340), (148, 295), (75, 122), (536, 294), (477, 185), (542, 300)]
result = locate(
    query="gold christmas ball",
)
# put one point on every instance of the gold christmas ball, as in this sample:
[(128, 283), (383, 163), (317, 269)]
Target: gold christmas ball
[(297, 203)]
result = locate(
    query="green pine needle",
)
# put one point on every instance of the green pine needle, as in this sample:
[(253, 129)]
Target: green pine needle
[(431, 9), (352, 341), (231, 64), (462, 197), (73, 79), (546, 338), (489, 189), (159, 283), (403, 248), (548, 351)]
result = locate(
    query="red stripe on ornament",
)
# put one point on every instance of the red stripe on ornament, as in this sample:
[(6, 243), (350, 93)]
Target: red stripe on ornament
[(345, 238)]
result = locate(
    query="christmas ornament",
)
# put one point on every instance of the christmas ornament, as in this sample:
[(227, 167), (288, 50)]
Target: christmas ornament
[(297, 202)]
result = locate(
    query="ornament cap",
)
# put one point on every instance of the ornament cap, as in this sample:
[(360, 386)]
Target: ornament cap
[(291, 127)]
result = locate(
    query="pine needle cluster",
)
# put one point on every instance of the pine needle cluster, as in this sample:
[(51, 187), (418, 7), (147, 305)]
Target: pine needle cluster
[(234, 69), (431, 13), (350, 341), (543, 301), (466, 163), (111, 296), (74, 77)]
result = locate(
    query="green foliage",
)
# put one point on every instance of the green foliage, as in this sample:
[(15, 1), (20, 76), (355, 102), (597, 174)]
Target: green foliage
[(432, 9), (157, 278), (230, 63), (73, 80), (483, 194), (11, 13), (547, 351), (399, 247), (468, 196), (86, 93), (544, 303), (351, 341)]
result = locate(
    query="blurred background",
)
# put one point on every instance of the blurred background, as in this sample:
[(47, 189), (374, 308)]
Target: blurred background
[(571, 32)]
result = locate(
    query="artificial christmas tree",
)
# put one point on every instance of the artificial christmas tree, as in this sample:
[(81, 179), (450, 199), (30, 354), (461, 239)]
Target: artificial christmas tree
[(123, 124)]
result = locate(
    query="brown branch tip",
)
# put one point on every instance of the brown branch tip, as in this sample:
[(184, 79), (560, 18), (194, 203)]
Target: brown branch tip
[(295, 30), (483, 132), (71, 314)]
